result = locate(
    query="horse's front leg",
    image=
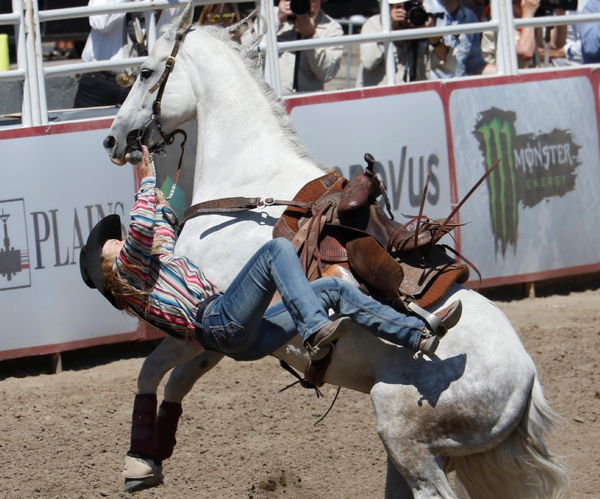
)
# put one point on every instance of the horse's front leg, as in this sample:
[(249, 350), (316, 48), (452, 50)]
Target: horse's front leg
[(180, 382), (143, 463)]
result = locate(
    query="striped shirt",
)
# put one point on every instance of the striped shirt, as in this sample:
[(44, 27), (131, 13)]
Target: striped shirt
[(174, 285)]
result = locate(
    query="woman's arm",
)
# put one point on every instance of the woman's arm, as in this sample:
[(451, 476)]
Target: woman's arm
[(136, 255)]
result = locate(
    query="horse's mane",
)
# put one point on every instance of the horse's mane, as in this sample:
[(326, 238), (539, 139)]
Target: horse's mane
[(253, 62)]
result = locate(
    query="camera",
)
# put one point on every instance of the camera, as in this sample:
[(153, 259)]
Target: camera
[(299, 8), (547, 7), (417, 15)]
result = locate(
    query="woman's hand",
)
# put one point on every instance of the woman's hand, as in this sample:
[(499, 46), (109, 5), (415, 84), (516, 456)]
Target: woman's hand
[(146, 169), (160, 197)]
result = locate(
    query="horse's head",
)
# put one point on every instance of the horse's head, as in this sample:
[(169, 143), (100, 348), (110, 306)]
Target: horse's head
[(153, 109)]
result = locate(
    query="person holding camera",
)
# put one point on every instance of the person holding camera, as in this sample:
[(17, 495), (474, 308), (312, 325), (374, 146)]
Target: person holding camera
[(113, 36), (455, 55), (307, 70), (411, 56), (529, 41)]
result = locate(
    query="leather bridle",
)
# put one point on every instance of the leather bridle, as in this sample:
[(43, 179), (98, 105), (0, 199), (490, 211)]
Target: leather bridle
[(160, 85)]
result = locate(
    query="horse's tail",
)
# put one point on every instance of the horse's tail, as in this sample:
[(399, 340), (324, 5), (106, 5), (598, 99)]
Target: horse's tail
[(521, 466)]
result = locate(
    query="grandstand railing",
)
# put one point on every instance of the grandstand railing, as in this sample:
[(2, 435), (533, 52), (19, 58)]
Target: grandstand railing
[(32, 72)]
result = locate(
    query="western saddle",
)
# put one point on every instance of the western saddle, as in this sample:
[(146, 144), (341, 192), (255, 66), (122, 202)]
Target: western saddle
[(398, 264)]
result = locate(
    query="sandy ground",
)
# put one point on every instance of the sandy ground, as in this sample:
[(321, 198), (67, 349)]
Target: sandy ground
[(64, 435)]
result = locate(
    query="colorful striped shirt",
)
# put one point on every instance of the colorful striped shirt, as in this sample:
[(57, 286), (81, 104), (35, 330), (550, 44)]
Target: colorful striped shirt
[(174, 285)]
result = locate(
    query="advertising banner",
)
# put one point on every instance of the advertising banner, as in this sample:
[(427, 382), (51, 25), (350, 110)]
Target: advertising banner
[(535, 211), (55, 188), (406, 134)]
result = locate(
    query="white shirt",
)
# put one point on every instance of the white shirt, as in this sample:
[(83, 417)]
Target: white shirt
[(107, 38)]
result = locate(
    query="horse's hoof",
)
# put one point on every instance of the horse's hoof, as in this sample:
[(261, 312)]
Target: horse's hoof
[(134, 484), (141, 473)]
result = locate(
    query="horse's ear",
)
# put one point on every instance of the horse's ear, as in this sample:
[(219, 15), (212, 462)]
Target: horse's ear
[(184, 21)]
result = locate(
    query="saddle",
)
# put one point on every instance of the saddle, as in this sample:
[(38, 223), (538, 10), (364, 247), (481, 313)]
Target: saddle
[(345, 225)]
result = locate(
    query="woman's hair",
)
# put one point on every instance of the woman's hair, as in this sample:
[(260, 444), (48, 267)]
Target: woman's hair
[(208, 9), (120, 289)]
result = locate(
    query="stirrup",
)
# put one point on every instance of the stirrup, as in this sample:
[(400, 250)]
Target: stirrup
[(427, 345), (439, 326)]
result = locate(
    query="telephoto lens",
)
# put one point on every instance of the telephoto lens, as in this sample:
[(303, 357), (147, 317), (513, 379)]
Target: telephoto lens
[(300, 7)]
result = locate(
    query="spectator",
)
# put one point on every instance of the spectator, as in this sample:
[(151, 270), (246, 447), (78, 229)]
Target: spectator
[(529, 41), (590, 34), (307, 70), (112, 37), (570, 54), (455, 55), (411, 56), (221, 14), (63, 49)]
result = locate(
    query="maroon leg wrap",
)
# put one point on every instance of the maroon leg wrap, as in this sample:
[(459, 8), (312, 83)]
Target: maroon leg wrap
[(143, 425), (166, 428)]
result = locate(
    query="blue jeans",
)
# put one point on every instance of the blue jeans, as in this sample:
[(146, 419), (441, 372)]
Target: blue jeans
[(233, 322), (239, 324)]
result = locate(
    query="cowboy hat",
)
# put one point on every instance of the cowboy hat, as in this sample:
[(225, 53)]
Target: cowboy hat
[(90, 259)]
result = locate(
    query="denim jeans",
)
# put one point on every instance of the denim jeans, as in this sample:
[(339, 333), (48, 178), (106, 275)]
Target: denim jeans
[(239, 324), (233, 322)]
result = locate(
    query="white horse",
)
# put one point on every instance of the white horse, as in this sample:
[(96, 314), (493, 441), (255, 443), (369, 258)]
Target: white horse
[(476, 407)]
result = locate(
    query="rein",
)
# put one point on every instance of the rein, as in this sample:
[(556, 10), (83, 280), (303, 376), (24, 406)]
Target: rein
[(156, 106)]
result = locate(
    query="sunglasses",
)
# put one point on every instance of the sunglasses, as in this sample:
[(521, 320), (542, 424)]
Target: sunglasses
[(215, 18)]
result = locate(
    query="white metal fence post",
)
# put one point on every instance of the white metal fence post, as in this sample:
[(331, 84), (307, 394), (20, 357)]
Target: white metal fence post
[(267, 18), (506, 56), (390, 63), (26, 111), (35, 72)]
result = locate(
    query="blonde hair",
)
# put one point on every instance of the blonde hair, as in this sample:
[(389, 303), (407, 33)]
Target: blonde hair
[(119, 288)]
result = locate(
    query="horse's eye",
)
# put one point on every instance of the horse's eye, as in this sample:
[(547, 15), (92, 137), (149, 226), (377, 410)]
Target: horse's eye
[(146, 73)]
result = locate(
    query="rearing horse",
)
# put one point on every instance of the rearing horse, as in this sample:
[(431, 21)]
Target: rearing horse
[(476, 407)]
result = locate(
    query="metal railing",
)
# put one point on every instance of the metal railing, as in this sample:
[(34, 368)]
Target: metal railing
[(31, 69)]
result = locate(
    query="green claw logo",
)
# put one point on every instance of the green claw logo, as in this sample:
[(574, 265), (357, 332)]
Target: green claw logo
[(532, 167)]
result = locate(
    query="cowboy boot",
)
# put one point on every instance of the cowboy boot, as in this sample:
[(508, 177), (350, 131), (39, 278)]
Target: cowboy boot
[(167, 420), (440, 321), (326, 335)]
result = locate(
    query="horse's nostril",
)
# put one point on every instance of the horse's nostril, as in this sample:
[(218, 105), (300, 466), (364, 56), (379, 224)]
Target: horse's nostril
[(109, 142)]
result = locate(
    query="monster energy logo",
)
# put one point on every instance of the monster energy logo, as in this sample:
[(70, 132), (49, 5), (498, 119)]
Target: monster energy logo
[(531, 168)]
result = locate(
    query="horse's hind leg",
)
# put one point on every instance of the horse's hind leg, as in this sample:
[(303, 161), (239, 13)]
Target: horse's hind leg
[(395, 484), (421, 471)]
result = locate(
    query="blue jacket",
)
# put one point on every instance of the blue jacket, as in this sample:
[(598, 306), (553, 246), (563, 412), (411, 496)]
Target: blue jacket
[(590, 34)]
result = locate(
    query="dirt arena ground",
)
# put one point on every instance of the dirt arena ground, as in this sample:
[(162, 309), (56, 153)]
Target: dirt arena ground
[(64, 435)]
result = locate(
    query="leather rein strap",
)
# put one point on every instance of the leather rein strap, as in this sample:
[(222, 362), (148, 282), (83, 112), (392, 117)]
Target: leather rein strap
[(156, 106), (235, 204)]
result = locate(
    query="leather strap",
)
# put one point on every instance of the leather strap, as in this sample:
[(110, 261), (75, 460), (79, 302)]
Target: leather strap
[(234, 204)]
